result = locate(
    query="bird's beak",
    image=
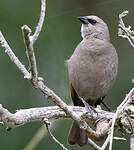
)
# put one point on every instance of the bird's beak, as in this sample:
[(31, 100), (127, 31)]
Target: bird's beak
[(83, 19)]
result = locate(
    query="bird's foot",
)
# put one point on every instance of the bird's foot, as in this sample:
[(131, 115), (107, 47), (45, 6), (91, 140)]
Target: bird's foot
[(87, 106), (106, 106)]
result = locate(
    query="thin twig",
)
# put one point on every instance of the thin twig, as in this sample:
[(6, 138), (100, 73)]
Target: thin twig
[(39, 135), (120, 139), (30, 40), (127, 36), (105, 143), (52, 136), (93, 144), (125, 32), (41, 21)]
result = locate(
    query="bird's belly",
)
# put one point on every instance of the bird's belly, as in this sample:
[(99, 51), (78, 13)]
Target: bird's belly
[(93, 80), (90, 87)]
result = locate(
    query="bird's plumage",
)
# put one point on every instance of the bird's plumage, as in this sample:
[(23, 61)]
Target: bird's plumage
[(92, 69)]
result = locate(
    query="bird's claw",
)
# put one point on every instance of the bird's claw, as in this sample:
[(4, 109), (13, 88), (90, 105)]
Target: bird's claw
[(87, 106)]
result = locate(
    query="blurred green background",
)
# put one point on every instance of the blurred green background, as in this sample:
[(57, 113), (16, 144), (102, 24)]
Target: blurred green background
[(59, 37)]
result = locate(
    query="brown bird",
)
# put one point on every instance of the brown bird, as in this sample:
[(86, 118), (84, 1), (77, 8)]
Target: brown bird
[(92, 69)]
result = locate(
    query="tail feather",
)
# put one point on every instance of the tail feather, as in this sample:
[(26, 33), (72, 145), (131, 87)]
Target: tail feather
[(77, 136), (83, 139)]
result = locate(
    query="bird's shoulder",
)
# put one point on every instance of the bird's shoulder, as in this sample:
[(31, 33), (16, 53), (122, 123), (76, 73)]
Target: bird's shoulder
[(95, 46)]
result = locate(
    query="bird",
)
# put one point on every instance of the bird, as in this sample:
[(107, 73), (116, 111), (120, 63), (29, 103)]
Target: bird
[(92, 70)]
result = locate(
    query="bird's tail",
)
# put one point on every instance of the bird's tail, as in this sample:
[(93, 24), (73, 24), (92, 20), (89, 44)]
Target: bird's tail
[(77, 136)]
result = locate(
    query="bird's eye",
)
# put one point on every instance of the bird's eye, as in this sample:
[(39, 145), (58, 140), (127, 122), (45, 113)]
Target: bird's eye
[(92, 21)]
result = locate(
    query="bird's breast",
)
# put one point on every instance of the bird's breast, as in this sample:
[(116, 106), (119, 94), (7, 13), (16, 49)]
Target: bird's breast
[(92, 75)]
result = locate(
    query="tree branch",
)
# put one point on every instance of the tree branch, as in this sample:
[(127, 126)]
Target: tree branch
[(125, 32), (41, 21), (13, 58), (38, 84), (53, 137), (93, 144), (24, 116), (30, 40), (118, 112), (30, 52), (132, 142)]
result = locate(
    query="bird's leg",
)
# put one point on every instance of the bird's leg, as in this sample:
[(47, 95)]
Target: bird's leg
[(87, 106), (106, 106)]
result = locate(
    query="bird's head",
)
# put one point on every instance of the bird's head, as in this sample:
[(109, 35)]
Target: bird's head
[(93, 26)]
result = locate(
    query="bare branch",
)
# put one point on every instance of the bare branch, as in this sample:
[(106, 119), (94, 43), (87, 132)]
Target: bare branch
[(46, 91), (125, 32), (54, 138), (93, 144), (13, 58), (132, 142), (105, 143), (41, 21), (30, 51), (38, 84), (119, 110), (24, 116), (30, 40), (120, 139)]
